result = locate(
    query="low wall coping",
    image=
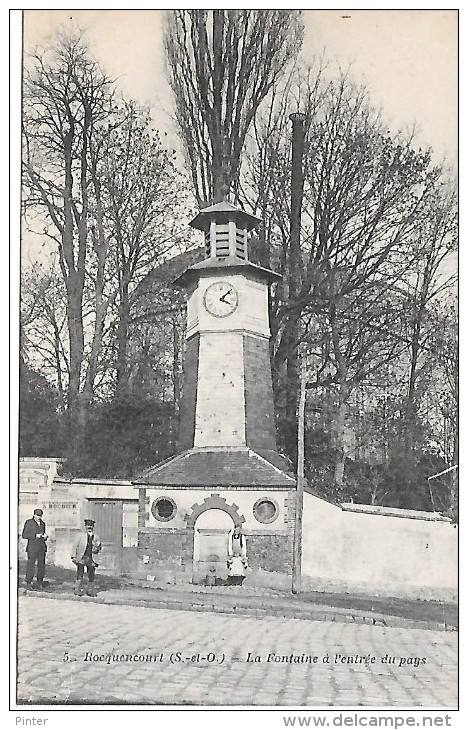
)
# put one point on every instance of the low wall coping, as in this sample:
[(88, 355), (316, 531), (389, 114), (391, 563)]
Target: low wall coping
[(166, 530), (57, 459), (95, 482), (410, 514), (246, 532)]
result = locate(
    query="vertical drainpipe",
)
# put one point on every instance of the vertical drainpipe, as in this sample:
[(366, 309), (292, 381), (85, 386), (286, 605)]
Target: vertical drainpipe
[(297, 189), (294, 269)]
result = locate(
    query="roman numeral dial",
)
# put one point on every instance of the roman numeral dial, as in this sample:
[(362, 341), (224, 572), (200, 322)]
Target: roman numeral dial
[(221, 299)]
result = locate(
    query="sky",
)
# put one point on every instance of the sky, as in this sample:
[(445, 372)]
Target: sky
[(407, 58)]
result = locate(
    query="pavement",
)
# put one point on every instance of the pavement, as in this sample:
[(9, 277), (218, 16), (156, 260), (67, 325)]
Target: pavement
[(75, 651), (259, 602)]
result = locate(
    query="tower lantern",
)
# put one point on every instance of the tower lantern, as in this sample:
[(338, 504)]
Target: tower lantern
[(226, 230)]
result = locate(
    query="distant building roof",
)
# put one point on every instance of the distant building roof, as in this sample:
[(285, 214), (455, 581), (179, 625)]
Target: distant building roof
[(220, 467), (164, 274)]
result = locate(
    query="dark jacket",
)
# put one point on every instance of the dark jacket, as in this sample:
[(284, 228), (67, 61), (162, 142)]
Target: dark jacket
[(32, 532)]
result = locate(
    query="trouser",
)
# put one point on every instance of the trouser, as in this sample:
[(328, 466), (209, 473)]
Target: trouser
[(90, 569), (31, 567), (236, 580)]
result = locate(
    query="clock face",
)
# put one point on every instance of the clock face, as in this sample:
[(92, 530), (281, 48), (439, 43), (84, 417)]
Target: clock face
[(221, 299)]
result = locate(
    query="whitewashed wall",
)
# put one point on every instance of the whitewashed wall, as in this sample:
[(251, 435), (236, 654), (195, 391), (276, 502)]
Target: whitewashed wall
[(355, 548), (65, 505), (244, 499), (393, 552)]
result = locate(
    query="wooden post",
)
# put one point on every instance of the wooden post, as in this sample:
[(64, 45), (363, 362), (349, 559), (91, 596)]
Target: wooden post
[(297, 549), (213, 238)]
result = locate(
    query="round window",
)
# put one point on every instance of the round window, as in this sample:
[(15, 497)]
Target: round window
[(164, 509), (265, 510)]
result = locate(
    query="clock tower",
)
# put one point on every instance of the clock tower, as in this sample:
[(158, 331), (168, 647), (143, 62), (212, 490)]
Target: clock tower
[(228, 472), (228, 395)]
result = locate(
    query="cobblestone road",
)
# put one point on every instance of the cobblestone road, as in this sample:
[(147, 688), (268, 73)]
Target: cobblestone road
[(59, 642)]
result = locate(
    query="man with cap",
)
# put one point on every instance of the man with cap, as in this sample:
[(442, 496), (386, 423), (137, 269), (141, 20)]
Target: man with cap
[(85, 547), (34, 531)]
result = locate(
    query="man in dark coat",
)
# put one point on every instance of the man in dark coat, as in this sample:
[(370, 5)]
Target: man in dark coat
[(34, 531)]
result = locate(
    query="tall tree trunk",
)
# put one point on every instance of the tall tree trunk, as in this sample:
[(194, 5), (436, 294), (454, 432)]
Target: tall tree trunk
[(414, 357), (339, 442), (176, 384), (100, 247), (74, 263), (76, 345), (221, 183), (344, 391), (122, 341)]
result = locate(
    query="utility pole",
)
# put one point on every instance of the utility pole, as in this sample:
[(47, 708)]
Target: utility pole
[(297, 549)]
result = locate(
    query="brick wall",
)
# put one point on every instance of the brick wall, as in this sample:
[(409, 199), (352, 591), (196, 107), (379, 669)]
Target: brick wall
[(143, 512), (290, 507), (260, 416), (167, 550), (189, 395), (270, 552), (269, 546), (274, 552), (171, 551)]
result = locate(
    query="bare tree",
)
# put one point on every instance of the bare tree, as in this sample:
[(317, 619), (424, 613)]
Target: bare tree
[(430, 281), (365, 191), (147, 208), (449, 360), (43, 325), (222, 64), (99, 185), (67, 103)]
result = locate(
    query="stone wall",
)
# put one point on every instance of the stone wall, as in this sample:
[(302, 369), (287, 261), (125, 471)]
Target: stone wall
[(165, 554), (220, 412), (271, 553), (189, 395), (359, 548), (259, 413), (242, 499)]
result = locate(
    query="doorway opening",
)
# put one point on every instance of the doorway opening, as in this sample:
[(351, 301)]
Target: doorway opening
[(210, 547)]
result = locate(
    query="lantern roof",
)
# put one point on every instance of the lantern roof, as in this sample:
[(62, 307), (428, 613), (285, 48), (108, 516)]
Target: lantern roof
[(229, 264), (222, 213)]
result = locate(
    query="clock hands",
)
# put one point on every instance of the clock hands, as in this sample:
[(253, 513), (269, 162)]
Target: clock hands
[(220, 299), (226, 294)]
